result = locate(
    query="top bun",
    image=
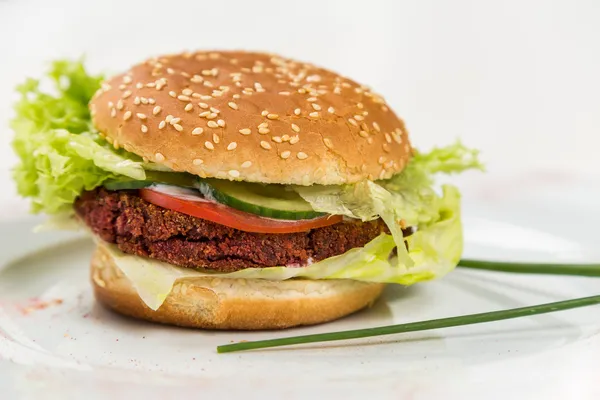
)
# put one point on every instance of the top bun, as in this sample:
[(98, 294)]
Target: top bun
[(251, 116)]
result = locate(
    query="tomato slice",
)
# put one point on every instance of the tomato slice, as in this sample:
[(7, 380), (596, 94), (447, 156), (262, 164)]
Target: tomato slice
[(225, 215)]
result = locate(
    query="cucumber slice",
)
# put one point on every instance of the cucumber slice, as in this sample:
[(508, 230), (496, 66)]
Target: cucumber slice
[(168, 178), (126, 185), (273, 201)]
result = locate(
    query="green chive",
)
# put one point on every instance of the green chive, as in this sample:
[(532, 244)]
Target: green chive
[(534, 268), (415, 326)]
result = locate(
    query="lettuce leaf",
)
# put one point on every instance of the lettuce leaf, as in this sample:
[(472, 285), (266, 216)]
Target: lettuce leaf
[(60, 153), (435, 252), (408, 199)]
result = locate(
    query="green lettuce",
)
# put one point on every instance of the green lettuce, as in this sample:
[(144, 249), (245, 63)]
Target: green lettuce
[(406, 200), (435, 251), (60, 153)]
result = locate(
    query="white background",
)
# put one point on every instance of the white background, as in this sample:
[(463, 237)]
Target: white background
[(518, 79)]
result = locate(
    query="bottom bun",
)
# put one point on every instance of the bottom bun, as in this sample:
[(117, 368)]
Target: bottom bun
[(243, 304)]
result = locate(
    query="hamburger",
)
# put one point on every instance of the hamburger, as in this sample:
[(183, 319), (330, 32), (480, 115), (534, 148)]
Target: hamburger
[(237, 190)]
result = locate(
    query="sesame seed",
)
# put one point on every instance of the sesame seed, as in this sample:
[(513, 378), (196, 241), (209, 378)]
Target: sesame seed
[(151, 84), (204, 114), (144, 100), (111, 104), (127, 79), (212, 124), (122, 87), (221, 123), (127, 115), (216, 138), (301, 155), (144, 128), (263, 131), (175, 121), (316, 107), (364, 134), (234, 173), (352, 121), (205, 97), (314, 114), (376, 126), (203, 105), (294, 139), (285, 154), (388, 138), (216, 93), (187, 91), (189, 107), (295, 128), (328, 143), (120, 104), (245, 131), (264, 113), (156, 110), (236, 96), (386, 148), (197, 161), (381, 160), (382, 174), (197, 131), (196, 79), (209, 145), (370, 140), (265, 145), (285, 138), (359, 117), (364, 127), (246, 164), (172, 94), (232, 105), (232, 146), (170, 71), (113, 112), (263, 125), (359, 105), (141, 116), (151, 101), (272, 116), (183, 98), (337, 90), (136, 101), (196, 95), (302, 90), (211, 116), (311, 99), (284, 93), (277, 139), (178, 127), (216, 111), (159, 157), (162, 124), (331, 110), (139, 85)]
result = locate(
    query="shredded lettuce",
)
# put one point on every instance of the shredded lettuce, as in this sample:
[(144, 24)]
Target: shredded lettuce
[(60, 153), (408, 199), (435, 251)]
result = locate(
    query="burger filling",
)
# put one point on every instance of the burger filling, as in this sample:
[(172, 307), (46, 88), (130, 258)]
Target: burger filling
[(138, 227)]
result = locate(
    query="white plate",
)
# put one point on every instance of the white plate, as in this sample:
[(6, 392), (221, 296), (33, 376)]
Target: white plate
[(76, 348)]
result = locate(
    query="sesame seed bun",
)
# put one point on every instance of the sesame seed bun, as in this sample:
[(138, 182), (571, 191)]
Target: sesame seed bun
[(251, 116), (243, 304)]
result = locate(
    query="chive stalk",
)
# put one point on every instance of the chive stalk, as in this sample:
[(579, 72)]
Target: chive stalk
[(534, 268), (415, 326)]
